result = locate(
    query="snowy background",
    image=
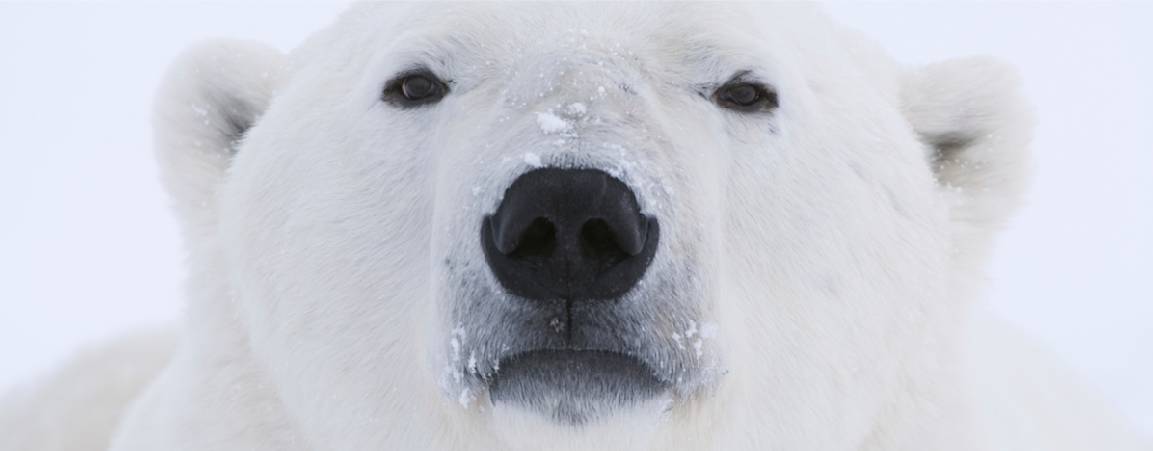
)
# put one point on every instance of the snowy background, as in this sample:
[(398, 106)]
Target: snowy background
[(89, 249)]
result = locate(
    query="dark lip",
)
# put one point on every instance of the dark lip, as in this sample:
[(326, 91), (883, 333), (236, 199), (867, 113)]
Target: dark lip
[(613, 357), (573, 385)]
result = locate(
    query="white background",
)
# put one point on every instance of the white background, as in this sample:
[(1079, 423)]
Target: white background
[(89, 249)]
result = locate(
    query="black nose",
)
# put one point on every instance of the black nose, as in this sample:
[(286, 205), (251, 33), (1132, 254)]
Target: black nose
[(574, 234)]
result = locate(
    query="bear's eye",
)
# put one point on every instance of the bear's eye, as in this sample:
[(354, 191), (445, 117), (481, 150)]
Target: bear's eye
[(414, 89), (745, 96)]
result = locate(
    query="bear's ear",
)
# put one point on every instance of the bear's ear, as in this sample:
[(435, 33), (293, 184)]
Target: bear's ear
[(213, 93), (976, 126)]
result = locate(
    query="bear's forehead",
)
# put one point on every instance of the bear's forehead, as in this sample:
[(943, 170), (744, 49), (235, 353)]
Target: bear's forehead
[(513, 30), (676, 43), (539, 22)]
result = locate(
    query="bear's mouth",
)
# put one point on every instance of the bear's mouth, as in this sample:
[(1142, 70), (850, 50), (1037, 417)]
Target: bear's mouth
[(572, 386)]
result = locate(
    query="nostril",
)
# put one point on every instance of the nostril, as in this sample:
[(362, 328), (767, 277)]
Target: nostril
[(599, 243), (538, 240)]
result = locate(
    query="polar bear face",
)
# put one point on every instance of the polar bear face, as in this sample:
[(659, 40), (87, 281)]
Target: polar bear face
[(624, 223)]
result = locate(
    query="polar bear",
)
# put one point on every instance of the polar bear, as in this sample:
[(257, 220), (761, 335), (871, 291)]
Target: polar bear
[(581, 226)]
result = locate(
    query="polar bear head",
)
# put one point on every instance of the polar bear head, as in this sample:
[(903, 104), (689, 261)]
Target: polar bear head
[(479, 226)]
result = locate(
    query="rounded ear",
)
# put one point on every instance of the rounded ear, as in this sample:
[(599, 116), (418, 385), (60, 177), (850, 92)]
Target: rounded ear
[(976, 125), (213, 93)]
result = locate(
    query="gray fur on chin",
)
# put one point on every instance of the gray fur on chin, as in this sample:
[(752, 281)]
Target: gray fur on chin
[(573, 387)]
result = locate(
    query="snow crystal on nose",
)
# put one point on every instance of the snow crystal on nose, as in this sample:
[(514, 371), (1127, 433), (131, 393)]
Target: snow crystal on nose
[(576, 109), (551, 123)]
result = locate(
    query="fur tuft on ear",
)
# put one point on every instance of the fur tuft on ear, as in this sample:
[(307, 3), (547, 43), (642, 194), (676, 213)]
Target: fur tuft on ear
[(976, 125), (212, 94)]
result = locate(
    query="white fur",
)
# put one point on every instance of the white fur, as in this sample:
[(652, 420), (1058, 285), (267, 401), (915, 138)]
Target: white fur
[(834, 246), (78, 406)]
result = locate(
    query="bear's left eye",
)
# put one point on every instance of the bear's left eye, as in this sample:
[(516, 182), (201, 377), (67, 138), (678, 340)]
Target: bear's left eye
[(745, 96), (414, 89)]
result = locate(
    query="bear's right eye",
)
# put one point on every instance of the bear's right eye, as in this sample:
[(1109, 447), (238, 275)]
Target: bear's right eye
[(414, 89)]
